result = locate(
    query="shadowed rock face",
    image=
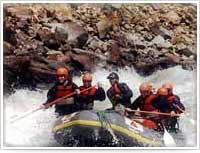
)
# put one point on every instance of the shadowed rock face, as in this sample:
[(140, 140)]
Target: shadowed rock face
[(38, 38)]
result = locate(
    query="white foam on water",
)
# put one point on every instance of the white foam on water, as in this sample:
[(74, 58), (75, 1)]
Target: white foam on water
[(36, 129)]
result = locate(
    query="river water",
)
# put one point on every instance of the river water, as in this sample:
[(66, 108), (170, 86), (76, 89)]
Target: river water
[(35, 130)]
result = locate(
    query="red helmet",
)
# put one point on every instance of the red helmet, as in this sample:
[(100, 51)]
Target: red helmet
[(145, 87), (168, 85), (62, 71), (87, 77), (162, 91)]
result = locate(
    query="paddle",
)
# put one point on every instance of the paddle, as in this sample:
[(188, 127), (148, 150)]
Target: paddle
[(149, 112), (168, 139), (47, 105), (184, 112)]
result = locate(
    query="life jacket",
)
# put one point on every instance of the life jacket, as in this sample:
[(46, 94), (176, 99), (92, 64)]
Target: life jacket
[(145, 122), (147, 103), (171, 98), (115, 89), (63, 90), (90, 92), (149, 124)]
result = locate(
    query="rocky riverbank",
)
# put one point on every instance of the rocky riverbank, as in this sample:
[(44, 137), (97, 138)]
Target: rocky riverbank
[(38, 38)]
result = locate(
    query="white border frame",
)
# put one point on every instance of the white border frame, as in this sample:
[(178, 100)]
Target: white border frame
[(101, 148)]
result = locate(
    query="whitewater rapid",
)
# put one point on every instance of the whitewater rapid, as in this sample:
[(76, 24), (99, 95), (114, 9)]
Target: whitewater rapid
[(35, 130)]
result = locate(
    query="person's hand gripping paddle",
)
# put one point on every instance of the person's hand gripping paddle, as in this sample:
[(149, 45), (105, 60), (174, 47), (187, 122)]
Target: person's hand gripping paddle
[(56, 101)]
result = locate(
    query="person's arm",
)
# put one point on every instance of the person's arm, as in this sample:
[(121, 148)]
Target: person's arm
[(161, 104), (111, 97), (178, 105), (126, 92), (137, 103), (51, 95), (100, 94), (109, 94)]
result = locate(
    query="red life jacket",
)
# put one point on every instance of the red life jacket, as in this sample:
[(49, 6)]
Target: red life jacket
[(147, 105), (115, 89), (171, 98), (90, 92), (149, 124), (63, 90)]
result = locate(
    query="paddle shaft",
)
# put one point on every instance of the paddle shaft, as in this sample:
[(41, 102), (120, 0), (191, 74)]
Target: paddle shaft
[(49, 104), (168, 138), (66, 96), (183, 111), (25, 114), (157, 113), (192, 121)]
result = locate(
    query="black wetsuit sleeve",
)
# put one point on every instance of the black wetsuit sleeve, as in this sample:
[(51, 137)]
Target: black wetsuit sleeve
[(161, 104), (110, 96), (137, 103), (126, 92), (100, 94), (51, 95), (178, 105)]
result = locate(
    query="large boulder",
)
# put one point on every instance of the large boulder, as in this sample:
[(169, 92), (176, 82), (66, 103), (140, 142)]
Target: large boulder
[(160, 30), (18, 11), (7, 48), (161, 42), (72, 32), (57, 56), (82, 62), (103, 27), (62, 12), (44, 33), (172, 17)]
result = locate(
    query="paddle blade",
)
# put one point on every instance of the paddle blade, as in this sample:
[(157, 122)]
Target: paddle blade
[(25, 114), (168, 139)]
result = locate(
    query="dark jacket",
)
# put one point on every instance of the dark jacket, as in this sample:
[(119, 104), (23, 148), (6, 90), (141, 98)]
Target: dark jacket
[(85, 101), (162, 104), (175, 103), (52, 95), (137, 103), (125, 95)]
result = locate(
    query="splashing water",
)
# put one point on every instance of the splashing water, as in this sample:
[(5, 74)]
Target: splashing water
[(35, 130)]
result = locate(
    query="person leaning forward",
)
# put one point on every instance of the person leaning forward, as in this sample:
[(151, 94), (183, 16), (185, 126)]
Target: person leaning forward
[(144, 103), (144, 100), (151, 102), (62, 87), (173, 100), (176, 106)]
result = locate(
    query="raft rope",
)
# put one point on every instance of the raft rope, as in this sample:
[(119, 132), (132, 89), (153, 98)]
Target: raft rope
[(132, 134), (106, 124), (103, 120)]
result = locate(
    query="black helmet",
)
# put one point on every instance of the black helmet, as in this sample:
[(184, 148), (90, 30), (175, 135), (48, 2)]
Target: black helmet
[(113, 75)]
